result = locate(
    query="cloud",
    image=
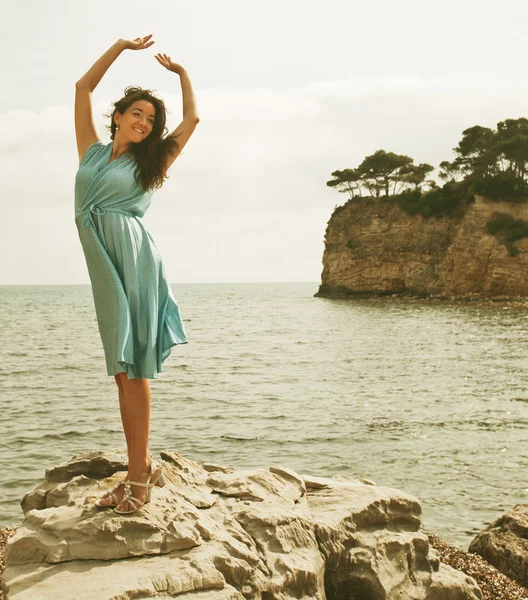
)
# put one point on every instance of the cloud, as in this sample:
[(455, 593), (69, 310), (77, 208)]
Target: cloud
[(256, 156)]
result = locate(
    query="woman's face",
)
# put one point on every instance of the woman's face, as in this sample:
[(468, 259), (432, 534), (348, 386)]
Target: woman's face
[(137, 122)]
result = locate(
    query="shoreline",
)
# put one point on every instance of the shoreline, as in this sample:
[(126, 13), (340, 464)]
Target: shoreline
[(492, 582), (412, 297)]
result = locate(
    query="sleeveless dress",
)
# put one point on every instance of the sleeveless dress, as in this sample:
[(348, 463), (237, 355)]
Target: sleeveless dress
[(138, 318)]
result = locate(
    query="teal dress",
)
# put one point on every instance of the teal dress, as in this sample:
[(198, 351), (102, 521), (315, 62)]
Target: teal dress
[(139, 320)]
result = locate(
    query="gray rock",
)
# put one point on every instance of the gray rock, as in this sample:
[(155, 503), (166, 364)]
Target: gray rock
[(210, 467), (169, 576), (95, 465), (223, 534), (504, 544), (371, 540)]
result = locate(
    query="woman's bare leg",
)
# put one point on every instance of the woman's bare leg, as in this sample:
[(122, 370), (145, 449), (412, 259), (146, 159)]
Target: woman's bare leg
[(137, 410), (105, 500), (123, 409)]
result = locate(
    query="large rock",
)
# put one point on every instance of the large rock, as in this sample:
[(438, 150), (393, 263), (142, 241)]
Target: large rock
[(504, 544), (217, 533), (374, 247)]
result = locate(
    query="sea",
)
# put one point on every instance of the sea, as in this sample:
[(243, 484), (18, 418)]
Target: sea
[(427, 397)]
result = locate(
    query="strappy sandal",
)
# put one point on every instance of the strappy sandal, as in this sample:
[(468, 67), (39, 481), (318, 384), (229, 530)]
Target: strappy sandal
[(155, 478), (111, 494)]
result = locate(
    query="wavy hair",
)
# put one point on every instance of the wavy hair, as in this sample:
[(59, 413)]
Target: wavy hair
[(150, 154)]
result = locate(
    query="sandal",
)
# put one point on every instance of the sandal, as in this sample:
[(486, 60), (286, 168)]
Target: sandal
[(111, 494), (155, 478)]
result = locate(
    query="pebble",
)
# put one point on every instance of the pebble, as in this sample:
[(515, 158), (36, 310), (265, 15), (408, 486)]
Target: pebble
[(493, 584), (5, 534)]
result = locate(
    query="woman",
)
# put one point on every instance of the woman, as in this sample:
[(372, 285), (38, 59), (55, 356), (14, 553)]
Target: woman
[(138, 318)]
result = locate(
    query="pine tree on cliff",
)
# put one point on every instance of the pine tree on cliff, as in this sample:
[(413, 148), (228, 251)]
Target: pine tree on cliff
[(380, 169), (511, 142), (488, 162), (348, 180), (477, 152), (415, 175), (377, 172)]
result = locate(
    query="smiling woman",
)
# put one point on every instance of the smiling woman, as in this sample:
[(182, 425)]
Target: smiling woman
[(138, 118), (138, 127), (138, 317)]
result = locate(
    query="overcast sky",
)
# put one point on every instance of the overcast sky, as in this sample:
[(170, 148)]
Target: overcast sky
[(287, 92)]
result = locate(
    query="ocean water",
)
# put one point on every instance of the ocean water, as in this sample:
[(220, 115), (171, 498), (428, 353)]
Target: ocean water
[(429, 398)]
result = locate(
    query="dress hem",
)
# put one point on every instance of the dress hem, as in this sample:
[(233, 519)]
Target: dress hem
[(149, 376)]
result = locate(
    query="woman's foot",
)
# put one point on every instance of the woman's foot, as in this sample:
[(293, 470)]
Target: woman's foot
[(114, 496), (138, 491)]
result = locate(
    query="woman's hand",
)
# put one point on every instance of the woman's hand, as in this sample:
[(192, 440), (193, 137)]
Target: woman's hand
[(165, 61), (138, 43)]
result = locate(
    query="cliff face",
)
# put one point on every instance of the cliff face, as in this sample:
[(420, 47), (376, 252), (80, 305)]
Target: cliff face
[(374, 247)]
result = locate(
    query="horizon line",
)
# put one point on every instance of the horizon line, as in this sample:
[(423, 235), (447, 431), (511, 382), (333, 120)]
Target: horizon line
[(170, 283)]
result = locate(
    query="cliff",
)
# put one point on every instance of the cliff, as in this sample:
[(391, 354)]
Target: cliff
[(216, 533), (374, 247)]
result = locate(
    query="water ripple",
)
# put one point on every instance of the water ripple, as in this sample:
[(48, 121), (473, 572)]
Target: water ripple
[(426, 397)]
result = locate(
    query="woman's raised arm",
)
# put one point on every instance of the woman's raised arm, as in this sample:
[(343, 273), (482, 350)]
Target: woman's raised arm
[(185, 129), (85, 131)]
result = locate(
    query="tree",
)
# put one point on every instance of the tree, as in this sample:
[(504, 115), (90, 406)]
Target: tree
[(450, 171), (414, 174), (348, 181), (512, 144), (380, 169), (477, 154)]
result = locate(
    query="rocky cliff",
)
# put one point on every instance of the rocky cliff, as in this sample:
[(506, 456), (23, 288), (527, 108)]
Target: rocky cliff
[(374, 247), (216, 533)]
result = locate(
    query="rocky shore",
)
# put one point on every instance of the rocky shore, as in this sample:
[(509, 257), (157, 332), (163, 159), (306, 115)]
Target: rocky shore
[(373, 247), (493, 584), (217, 533)]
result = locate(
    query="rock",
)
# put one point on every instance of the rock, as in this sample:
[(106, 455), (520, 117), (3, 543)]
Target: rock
[(77, 475), (191, 575), (374, 247), (219, 533), (372, 545), (95, 465), (48, 494), (504, 544), (210, 467)]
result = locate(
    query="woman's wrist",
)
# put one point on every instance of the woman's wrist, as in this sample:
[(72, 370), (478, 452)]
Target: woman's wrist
[(179, 70), (121, 44)]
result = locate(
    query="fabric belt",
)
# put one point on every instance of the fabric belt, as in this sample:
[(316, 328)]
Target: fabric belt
[(99, 210)]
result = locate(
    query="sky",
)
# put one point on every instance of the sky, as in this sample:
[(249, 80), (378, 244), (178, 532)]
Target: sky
[(287, 92)]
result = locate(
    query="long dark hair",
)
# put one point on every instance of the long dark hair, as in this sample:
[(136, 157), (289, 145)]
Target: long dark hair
[(150, 154)]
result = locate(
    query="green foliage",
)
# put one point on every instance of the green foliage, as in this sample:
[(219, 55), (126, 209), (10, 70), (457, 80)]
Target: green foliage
[(451, 171), (415, 174), (380, 174), (501, 186), (410, 201), (488, 162), (381, 169), (512, 249), (347, 182), (476, 151), (512, 144), (439, 202), (506, 228)]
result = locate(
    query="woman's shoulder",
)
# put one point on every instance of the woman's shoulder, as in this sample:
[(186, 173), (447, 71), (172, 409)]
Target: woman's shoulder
[(92, 151)]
